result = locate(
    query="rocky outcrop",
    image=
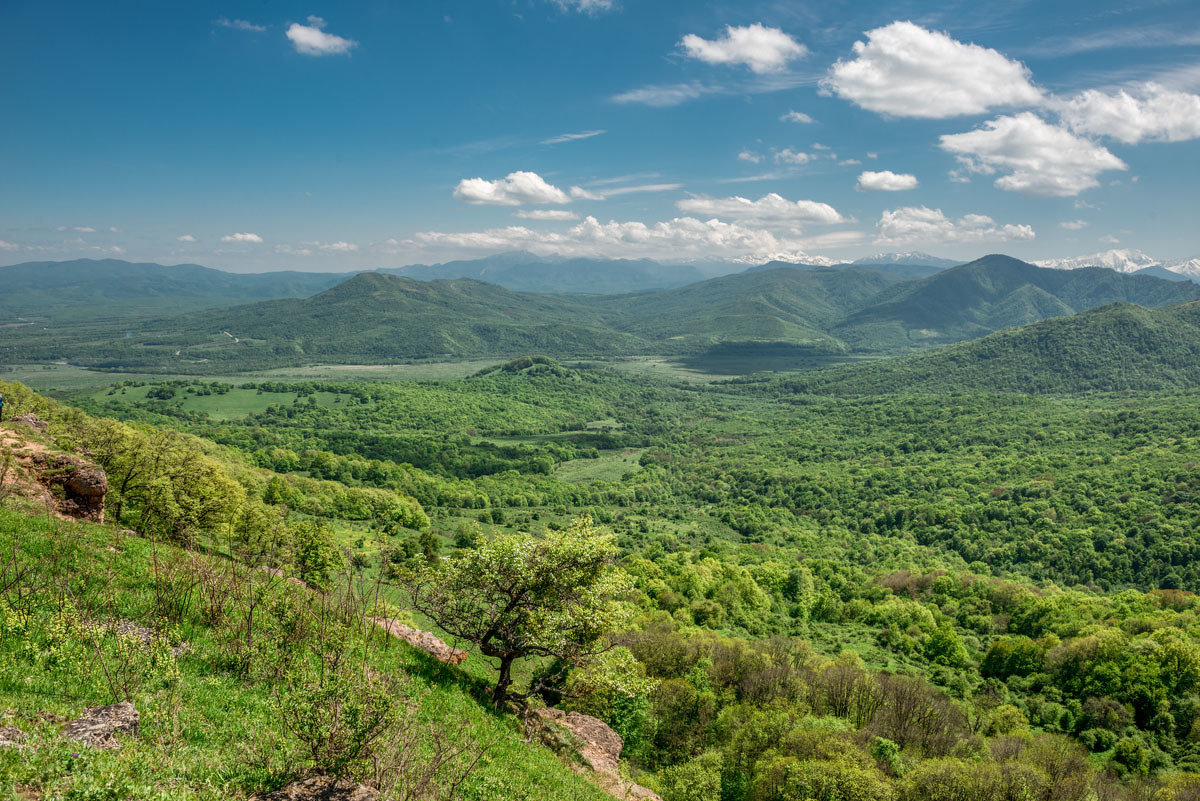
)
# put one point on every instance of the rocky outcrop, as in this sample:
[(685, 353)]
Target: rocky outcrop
[(321, 788), (81, 485), (99, 725), (31, 420), (421, 640), (11, 737), (600, 748)]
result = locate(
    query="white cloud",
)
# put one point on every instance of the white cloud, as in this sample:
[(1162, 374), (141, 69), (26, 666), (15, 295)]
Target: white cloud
[(1109, 239), (663, 95), (116, 249), (872, 155), (768, 208), (546, 214), (112, 229), (789, 156), (571, 137), (239, 25), (1073, 225), (819, 146), (1146, 112), (8, 245), (1041, 159), (750, 156), (243, 238), (760, 48), (84, 229), (585, 6), (849, 163), (923, 224), (678, 238), (796, 116), (580, 193), (311, 40), (516, 189), (289, 250), (186, 238), (334, 247), (907, 71), (885, 181)]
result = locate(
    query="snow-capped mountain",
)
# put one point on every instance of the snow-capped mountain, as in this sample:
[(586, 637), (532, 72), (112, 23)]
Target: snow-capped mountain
[(913, 257), (798, 258), (1125, 260), (1190, 268)]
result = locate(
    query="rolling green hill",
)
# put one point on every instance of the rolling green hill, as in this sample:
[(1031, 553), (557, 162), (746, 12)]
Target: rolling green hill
[(1112, 348), (93, 289)]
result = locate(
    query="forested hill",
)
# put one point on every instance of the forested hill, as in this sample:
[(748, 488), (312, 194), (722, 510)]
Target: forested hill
[(108, 287), (993, 293), (1113, 348)]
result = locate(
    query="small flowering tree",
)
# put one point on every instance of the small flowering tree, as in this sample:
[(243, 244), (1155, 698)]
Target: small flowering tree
[(520, 596)]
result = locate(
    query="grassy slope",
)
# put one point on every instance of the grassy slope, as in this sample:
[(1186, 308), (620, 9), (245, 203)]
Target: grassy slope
[(211, 735)]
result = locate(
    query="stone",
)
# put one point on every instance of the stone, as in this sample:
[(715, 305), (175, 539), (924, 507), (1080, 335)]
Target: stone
[(422, 640), (83, 484), (31, 420), (11, 737), (601, 750), (321, 788), (99, 725)]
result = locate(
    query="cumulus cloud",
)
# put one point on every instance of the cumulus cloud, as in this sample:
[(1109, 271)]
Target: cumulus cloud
[(678, 238), (750, 156), (789, 156), (8, 245), (923, 224), (515, 189), (1109, 239), (768, 208), (1073, 225), (885, 181), (334, 247), (760, 48), (312, 40), (796, 116), (571, 137), (907, 71), (546, 214), (186, 238), (1040, 159), (239, 25), (1149, 111), (84, 229), (254, 239)]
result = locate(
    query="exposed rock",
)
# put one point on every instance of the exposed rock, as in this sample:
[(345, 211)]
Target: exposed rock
[(100, 724), (146, 635), (321, 788), (31, 420), (422, 640), (277, 573), (11, 737), (601, 750), (83, 484)]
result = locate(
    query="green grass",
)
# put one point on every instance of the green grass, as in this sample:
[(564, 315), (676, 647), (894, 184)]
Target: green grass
[(210, 734), (610, 466)]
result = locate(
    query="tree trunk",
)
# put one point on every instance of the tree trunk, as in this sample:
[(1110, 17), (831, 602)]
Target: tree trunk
[(500, 694)]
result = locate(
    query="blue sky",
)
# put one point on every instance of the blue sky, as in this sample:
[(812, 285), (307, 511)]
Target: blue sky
[(271, 135)]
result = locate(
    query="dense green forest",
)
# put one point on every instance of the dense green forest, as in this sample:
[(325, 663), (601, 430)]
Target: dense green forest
[(830, 596)]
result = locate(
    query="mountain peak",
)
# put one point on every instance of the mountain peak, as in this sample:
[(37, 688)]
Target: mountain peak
[(916, 257), (1123, 260)]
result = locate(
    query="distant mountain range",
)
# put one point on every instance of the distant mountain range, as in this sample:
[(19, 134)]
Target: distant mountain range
[(915, 258), (809, 315), (1129, 262), (526, 272)]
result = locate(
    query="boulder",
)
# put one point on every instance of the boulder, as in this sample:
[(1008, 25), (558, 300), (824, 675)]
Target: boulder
[(421, 640), (83, 484), (99, 725), (31, 420), (601, 750), (321, 788)]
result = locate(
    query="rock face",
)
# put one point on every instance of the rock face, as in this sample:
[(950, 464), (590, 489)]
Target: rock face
[(601, 749), (83, 484), (100, 724), (321, 788), (11, 737), (31, 420), (422, 640)]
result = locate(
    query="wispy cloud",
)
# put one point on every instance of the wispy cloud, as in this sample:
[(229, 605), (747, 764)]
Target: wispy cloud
[(239, 25), (572, 137)]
